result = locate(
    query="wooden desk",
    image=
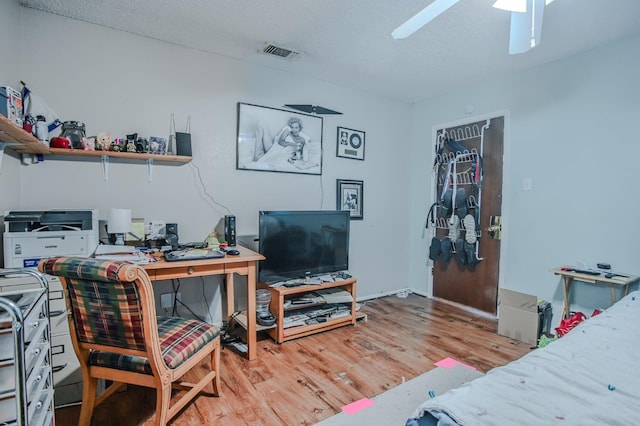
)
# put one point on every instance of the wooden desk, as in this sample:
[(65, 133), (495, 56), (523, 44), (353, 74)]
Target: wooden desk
[(243, 264), (569, 276)]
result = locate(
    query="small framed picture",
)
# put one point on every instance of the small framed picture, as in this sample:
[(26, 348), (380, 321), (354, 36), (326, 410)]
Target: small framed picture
[(350, 143), (157, 145), (350, 196)]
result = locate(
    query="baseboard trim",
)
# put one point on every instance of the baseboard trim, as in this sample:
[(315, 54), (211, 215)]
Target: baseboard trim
[(408, 291)]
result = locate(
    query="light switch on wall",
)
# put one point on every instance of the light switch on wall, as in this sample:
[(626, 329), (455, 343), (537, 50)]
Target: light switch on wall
[(527, 184)]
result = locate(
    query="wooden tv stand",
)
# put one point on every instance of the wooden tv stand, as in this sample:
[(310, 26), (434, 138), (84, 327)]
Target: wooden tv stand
[(280, 304)]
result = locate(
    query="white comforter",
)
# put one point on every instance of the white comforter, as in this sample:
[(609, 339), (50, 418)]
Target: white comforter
[(591, 376)]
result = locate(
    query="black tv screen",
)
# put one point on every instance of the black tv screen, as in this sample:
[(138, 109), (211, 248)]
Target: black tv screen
[(300, 243)]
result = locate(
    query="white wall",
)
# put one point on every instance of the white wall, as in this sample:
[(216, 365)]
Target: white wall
[(10, 30), (574, 132), (122, 83)]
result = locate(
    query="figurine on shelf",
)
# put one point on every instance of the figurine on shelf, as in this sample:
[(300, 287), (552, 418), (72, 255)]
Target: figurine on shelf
[(142, 145), (88, 144), (29, 124), (74, 131), (103, 141), (131, 146), (117, 145), (131, 141)]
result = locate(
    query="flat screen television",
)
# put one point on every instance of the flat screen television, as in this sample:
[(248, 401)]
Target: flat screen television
[(299, 243)]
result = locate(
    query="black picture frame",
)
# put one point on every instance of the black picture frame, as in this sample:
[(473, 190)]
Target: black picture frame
[(350, 196), (258, 128), (350, 143)]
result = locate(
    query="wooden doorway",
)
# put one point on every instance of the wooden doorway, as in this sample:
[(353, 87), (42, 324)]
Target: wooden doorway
[(475, 286)]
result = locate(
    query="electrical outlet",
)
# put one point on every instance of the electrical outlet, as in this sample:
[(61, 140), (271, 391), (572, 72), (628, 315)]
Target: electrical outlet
[(166, 299)]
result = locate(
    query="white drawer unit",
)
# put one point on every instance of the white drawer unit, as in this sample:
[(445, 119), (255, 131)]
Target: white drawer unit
[(67, 376), (26, 376)]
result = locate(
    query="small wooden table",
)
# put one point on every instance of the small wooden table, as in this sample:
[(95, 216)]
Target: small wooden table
[(568, 277), (243, 264), (280, 294)]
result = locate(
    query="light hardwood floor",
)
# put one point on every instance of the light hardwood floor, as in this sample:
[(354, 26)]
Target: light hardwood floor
[(304, 381)]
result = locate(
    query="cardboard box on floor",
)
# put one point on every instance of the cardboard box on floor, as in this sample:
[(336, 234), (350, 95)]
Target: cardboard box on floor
[(518, 316)]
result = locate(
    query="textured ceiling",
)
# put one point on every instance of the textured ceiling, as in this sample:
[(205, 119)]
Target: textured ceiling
[(348, 42)]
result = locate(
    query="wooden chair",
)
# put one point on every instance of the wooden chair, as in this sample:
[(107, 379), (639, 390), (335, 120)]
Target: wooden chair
[(118, 337)]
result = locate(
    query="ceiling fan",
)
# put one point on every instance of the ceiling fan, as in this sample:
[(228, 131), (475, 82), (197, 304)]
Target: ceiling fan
[(526, 21)]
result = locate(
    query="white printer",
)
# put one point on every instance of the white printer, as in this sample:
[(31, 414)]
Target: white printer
[(31, 235)]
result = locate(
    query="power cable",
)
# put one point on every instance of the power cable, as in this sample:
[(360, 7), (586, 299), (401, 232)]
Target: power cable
[(202, 190)]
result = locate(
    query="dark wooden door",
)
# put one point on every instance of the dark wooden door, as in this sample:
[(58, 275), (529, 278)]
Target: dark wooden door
[(475, 286)]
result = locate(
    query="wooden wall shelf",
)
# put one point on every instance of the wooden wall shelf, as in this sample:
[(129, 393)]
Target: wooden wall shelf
[(141, 156), (17, 139)]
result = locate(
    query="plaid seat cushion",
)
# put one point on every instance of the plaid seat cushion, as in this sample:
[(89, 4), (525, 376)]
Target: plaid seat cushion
[(179, 339)]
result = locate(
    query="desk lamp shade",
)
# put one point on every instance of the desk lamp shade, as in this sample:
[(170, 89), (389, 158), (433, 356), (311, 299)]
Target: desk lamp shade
[(119, 223)]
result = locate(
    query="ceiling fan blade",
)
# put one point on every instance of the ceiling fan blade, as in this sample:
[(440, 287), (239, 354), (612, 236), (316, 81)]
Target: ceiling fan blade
[(526, 28), (422, 18), (511, 5), (313, 109)]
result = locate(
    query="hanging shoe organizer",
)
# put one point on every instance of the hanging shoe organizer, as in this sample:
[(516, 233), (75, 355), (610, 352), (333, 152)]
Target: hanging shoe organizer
[(459, 169)]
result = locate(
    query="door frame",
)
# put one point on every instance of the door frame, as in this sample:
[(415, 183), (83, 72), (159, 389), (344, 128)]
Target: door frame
[(506, 186)]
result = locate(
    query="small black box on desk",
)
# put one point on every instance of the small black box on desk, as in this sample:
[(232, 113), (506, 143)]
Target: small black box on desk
[(230, 230)]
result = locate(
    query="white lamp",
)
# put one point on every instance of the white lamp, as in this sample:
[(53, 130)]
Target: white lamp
[(119, 223)]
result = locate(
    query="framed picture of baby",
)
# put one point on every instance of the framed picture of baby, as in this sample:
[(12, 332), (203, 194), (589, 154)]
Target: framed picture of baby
[(278, 140), (350, 143)]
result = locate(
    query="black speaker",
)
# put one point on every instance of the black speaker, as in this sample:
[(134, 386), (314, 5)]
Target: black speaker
[(183, 144), (230, 230), (171, 236)]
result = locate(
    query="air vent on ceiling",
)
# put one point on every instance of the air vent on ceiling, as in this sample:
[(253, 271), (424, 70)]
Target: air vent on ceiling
[(281, 52)]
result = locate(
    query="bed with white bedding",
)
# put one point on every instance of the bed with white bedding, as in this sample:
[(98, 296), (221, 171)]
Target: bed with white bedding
[(590, 376)]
